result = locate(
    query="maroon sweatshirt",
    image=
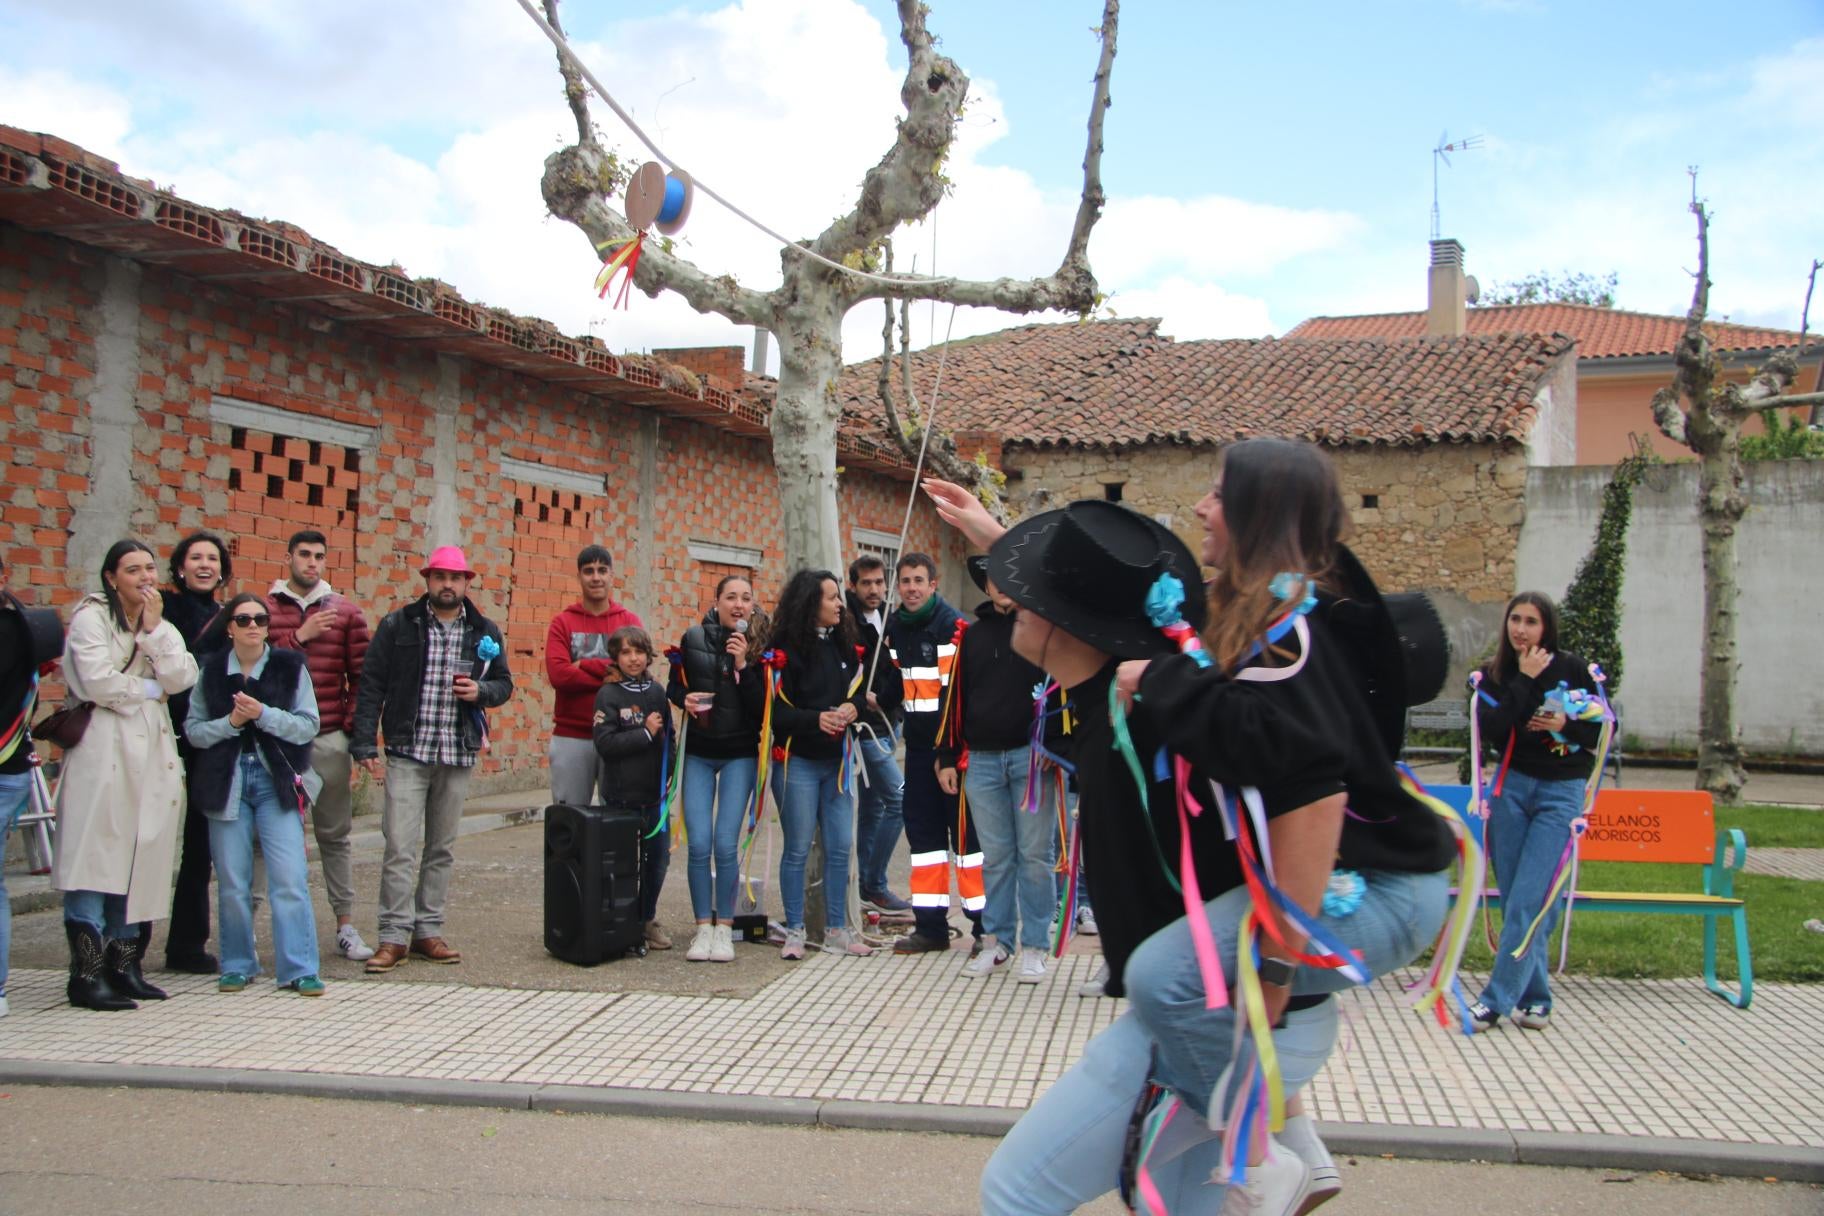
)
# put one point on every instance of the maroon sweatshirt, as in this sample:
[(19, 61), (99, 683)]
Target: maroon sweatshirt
[(576, 659)]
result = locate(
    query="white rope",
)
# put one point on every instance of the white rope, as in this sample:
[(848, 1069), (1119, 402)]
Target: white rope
[(563, 48), (905, 527)]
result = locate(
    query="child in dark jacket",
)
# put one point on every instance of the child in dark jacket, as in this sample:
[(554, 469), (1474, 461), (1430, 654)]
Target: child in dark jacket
[(632, 731)]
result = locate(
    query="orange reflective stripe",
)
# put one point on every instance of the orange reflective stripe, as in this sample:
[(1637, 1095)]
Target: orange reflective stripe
[(969, 881), (931, 879)]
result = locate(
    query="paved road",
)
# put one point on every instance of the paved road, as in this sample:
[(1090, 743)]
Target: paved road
[(80, 1151)]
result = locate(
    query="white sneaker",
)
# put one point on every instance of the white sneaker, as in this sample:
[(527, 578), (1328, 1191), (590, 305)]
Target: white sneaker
[(1032, 965), (1086, 922), (349, 943), (1275, 1187), (702, 944), (2, 1006), (845, 941), (793, 948), (1300, 1135), (1097, 985), (722, 946), (991, 958)]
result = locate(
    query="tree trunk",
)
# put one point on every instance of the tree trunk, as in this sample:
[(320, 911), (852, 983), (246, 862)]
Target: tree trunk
[(809, 328), (1721, 504)]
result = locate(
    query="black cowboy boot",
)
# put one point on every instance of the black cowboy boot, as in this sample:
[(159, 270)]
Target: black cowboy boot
[(89, 987), (121, 961)]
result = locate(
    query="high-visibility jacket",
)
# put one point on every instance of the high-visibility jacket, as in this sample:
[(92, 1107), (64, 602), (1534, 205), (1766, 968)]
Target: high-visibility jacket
[(926, 655)]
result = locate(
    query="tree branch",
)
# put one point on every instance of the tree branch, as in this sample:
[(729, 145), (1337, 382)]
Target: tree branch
[(575, 92), (940, 455), (909, 181), (574, 185), (1670, 416)]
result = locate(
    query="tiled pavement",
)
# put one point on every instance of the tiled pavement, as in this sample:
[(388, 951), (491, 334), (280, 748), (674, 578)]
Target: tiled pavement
[(1659, 1059), (1786, 863)]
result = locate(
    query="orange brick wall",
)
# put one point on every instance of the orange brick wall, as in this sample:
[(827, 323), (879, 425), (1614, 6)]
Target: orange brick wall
[(257, 488)]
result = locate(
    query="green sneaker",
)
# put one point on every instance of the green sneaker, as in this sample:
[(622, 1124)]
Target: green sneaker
[(308, 985), (231, 981)]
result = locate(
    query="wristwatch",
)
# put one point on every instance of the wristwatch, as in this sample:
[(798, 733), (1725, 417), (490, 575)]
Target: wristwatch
[(1277, 972)]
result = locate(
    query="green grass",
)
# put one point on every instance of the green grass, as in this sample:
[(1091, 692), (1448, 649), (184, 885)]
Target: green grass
[(1769, 827)]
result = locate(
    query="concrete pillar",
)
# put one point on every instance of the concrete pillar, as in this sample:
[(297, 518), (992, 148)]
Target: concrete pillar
[(104, 513), (445, 523), (646, 550)]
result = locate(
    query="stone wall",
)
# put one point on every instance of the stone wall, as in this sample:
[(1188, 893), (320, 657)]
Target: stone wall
[(137, 402), (1442, 518)]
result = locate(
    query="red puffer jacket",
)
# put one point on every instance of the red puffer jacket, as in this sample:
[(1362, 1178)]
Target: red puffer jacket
[(333, 656)]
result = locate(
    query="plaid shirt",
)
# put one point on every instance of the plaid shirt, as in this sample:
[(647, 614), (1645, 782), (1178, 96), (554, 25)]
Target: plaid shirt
[(438, 738)]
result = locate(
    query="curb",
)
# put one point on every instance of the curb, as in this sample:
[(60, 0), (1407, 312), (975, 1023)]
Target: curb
[(1634, 1153)]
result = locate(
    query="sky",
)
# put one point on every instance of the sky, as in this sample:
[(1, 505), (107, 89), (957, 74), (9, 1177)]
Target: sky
[(1264, 162)]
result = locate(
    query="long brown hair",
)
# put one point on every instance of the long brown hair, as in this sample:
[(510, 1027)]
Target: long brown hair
[(1507, 661), (1283, 510)]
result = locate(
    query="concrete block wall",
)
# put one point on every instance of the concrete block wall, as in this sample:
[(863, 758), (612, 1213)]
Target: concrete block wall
[(137, 401), (1779, 556)]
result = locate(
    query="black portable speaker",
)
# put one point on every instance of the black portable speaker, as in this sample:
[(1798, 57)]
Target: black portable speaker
[(592, 883)]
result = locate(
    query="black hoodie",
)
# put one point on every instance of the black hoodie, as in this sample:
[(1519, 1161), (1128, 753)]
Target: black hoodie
[(989, 706)]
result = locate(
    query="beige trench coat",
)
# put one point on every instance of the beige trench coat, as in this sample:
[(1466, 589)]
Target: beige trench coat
[(120, 804)]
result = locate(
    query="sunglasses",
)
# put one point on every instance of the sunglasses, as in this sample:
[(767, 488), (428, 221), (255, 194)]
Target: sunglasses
[(244, 619)]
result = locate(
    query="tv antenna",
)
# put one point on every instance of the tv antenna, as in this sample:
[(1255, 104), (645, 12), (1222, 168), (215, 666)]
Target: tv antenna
[(1442, 153)]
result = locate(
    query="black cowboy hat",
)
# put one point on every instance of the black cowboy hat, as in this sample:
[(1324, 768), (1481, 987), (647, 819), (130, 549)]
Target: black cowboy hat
[(978, 570), (1087, 568), (44, 634), (1396, 642)]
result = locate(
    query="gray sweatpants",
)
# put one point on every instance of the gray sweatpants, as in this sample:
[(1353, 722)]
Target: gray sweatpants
[(422, 817)]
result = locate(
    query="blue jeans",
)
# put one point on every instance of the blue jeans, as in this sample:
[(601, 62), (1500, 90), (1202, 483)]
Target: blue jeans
[(715, 790), (808, 799), (15, 792), (1018, 850), (880, 817), (102, 911), (1067, 1149), (1529, 823), (294, 928), (1399, 916)]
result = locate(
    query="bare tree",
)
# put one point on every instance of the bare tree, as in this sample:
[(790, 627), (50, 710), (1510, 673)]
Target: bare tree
[(806, 310), (1704, 412)]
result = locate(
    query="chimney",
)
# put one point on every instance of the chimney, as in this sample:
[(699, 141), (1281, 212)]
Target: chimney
[(758, 367), (1444, 314)]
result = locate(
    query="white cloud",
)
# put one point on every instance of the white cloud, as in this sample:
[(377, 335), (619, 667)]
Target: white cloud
[(94, 116)]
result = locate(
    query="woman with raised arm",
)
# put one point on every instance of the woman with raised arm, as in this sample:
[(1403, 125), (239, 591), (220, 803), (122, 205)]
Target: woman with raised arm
[(120, 801), (1539, 790)]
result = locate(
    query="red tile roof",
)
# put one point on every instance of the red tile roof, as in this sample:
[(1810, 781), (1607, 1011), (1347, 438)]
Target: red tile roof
[(1601, 333), (1121, 384)]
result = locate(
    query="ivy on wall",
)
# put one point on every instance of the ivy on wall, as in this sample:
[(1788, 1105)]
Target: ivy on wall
[(1589, 620)]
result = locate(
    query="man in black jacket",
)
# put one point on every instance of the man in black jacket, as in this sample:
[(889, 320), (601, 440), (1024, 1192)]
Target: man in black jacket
[(879, 817), (432, 670)]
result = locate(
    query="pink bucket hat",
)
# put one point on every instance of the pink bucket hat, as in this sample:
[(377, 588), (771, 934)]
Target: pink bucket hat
[(448, 558)]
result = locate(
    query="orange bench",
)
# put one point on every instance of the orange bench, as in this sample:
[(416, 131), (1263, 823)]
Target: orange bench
[(1671, 827)]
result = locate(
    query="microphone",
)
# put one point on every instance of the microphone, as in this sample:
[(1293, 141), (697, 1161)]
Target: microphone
[(726, 660)]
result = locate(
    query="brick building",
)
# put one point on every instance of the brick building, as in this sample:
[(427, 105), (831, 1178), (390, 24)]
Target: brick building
[(166, 367), (1432, 438)]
